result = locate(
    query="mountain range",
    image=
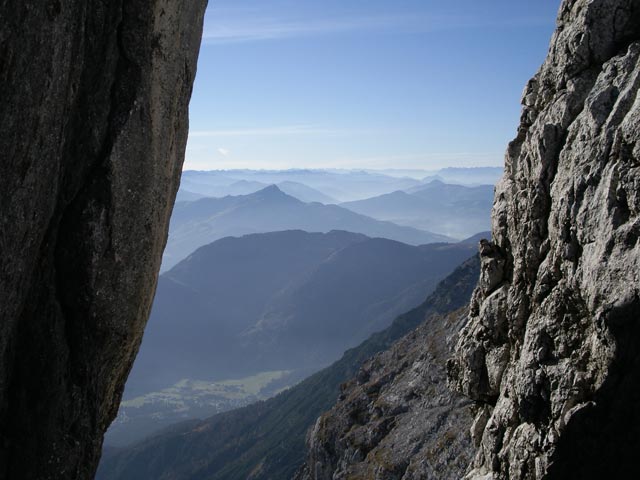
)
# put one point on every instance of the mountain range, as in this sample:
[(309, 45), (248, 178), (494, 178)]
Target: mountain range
[(454, 210), (279, 304), (280, 301), (197, 223), (326, 185), (340, 186), (244, 187)]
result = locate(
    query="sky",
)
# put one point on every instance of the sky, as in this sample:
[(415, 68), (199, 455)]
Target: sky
[(363, 84)]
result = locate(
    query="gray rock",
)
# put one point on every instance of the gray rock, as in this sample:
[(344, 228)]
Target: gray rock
[(397, 419), (93, 128), (551, 351)]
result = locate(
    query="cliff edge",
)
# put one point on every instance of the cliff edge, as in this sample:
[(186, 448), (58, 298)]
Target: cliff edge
[(551, 352), (397, 419), (92, 135)]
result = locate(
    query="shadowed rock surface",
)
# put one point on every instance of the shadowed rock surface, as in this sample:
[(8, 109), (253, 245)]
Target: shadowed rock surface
[(552, 349), (397, 419), (92, 134)]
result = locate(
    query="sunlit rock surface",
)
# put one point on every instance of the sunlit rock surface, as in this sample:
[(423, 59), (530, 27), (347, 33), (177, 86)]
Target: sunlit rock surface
[(552, 348)]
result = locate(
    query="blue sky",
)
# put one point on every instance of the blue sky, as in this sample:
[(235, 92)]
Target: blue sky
[(363, 83)]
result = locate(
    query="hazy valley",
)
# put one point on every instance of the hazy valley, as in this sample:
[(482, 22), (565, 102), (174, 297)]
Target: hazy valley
[(286, 302)]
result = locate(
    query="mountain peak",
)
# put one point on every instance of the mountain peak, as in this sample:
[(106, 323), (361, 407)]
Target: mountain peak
[(272, 191), (273, 188)]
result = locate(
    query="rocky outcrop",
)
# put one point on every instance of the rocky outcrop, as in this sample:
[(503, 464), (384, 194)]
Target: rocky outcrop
[(552, 349), (92, 134), (397, 419)]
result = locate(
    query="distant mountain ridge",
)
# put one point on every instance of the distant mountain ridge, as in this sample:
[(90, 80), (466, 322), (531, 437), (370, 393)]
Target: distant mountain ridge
[(338, 184), (203, 221), (191, 191), (455, 210)]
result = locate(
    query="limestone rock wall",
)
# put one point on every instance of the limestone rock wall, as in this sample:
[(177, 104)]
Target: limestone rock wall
[(551, 352), (93, 127)]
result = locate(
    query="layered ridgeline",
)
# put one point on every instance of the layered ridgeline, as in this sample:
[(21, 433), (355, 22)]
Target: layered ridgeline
[(266, 440), (266, 310), (454, 210), (243, 187), (200, 222), (327, 186), (552, 349)]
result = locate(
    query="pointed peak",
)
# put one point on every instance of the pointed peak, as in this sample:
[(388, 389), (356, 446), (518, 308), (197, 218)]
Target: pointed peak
[(272, 191), (273, 188)]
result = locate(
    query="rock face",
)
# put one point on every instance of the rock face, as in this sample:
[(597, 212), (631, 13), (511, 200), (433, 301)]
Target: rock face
[(92, 135), (397, 419), (551, 352)]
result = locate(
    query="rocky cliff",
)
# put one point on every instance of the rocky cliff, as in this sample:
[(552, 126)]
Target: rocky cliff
[(551, 352), (397, 419), (92, 134)]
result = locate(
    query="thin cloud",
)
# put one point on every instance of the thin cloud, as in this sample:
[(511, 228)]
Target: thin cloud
[(223, 151), (257, 29), (268, 132), (240, 29)]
